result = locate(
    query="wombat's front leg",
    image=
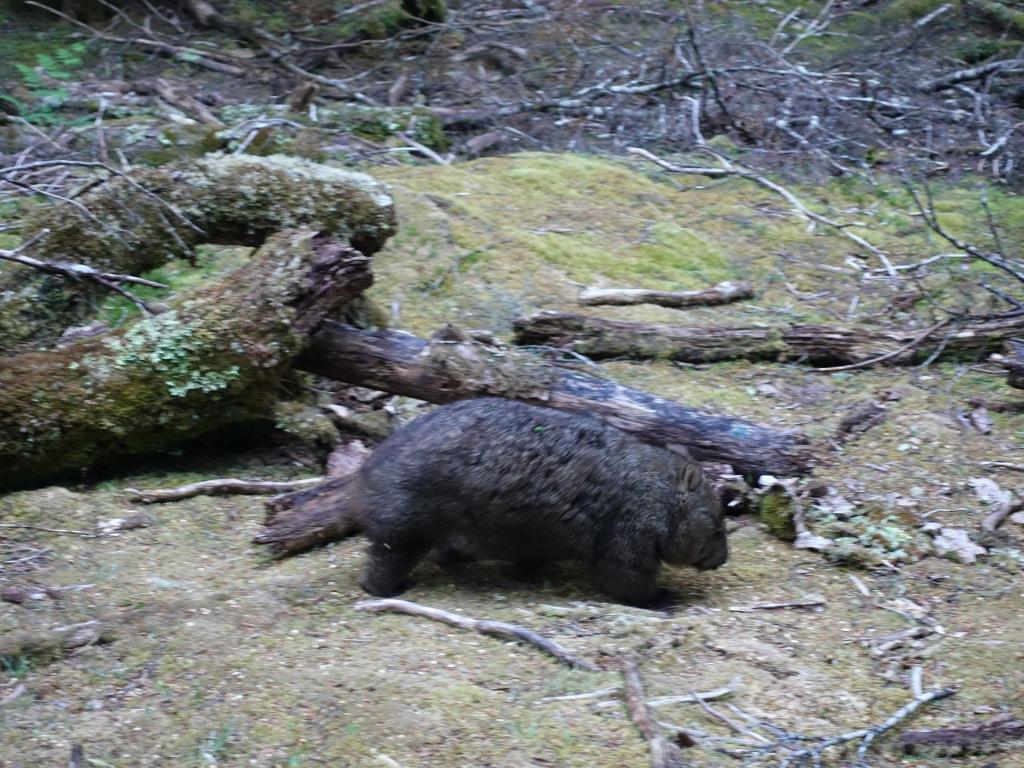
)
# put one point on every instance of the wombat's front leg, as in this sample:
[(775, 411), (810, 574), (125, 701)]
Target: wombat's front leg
[(387, 568), (629, 584)]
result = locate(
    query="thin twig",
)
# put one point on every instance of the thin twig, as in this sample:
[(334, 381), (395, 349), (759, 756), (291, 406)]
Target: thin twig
[(732, 168), (25, 526), (219, 487)]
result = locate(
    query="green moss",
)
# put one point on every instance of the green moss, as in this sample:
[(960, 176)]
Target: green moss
[(215, 358), (307, 424), (776, 511)]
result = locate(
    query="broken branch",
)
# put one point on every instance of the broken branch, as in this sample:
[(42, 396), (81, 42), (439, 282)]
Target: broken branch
[(496, 628)]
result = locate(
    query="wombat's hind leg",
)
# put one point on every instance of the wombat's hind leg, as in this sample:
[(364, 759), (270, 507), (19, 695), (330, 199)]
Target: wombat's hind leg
[(529, 571), (386, 572)]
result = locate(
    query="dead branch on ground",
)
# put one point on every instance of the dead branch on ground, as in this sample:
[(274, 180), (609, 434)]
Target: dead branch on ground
[(220, 487), (484, 627), (788, 744), (663, 753), (722, 293)]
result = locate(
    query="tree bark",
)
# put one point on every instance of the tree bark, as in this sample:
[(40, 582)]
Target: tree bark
[(723, 293), (600, 339), (214, 358), (301, 520), (442, 371)]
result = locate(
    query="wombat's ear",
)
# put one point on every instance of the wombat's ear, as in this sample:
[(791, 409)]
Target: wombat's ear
[(692, 476), (679, 450)]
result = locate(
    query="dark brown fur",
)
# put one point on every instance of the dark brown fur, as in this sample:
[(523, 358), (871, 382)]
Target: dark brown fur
[(502, 480)]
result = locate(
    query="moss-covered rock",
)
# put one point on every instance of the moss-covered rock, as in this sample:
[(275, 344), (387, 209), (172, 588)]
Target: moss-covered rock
[(163, 213)]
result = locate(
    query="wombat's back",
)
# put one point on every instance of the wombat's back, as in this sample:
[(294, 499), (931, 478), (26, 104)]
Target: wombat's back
[(507, 480)]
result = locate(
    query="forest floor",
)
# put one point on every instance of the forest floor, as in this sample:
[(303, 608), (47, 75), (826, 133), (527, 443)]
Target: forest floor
[(210, 653), (218, 655)]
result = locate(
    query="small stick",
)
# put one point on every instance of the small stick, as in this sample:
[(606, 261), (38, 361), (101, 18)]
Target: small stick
[(808, 602), (733, 725), (497, 628), (86, 534), (685, 698), (998, 516), (1002, 465), (580, 696), (860, 585), (223, 486), (663, 754), (917, 682)]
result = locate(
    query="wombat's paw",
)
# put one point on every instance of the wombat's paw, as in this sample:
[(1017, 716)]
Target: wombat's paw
[(528, 571), (667, 600), (384, 590)]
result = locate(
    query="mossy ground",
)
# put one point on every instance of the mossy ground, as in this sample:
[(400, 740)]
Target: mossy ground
[(222, 657)]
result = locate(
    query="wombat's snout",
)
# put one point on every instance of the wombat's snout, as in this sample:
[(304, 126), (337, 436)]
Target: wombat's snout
[(714, 552)]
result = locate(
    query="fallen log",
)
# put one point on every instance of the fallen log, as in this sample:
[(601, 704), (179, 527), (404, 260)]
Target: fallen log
[(452, 367), (601, 339), (441, 371), (129, 224), (723, 293), (1012, 360), (215, 357)]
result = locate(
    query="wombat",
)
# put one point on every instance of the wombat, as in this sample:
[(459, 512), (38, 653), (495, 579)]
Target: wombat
[(495, 479)]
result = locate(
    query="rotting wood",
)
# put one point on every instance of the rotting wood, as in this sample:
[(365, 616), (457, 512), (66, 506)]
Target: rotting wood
[(219, 487), (598, 339), (296, 522), (977, 736), (444, 371), (664, 754), (496, 628), (722, 293)]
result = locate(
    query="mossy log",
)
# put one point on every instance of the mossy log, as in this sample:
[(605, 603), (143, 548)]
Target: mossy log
[(1013, 361), (137, 224), (451, 367), (215, 357), (601, 339)]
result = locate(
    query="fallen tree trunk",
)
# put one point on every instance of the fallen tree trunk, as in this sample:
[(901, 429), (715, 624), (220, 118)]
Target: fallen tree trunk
[(214, 358), (600, 339), (441, 371), (723, 293), (131, 224)]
